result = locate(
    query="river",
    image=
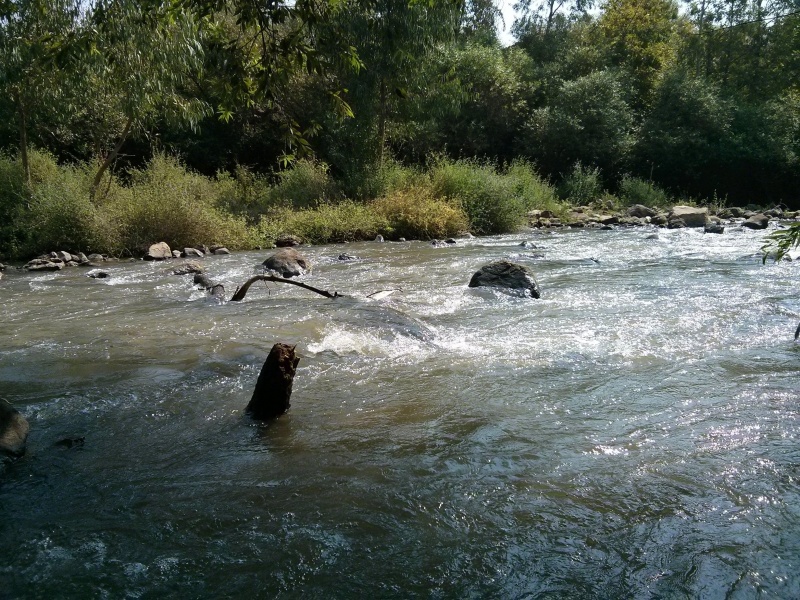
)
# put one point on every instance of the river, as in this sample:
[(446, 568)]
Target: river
[(632, 434)]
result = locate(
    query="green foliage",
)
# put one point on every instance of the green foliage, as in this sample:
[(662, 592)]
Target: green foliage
[(633, 190), (581, 186), (328, 222), (303, 185), (52, 213), (167, 203), (591, 122), (380, 180), (494, 201), (415, 213), (780, 242)]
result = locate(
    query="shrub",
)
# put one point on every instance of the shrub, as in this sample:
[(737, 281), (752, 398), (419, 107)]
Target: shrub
[(340, 222), (167, 203), (536, 193), (633, 190), (302, 186), (378, 181), (581, 186), (488, 198), (244, 193), (415, 213)]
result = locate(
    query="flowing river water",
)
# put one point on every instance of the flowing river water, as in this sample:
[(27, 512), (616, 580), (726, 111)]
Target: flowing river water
[(634, 433)]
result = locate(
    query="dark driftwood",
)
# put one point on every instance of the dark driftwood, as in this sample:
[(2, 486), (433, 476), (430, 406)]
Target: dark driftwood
[(274, 386), (240, 292), (797, 333)]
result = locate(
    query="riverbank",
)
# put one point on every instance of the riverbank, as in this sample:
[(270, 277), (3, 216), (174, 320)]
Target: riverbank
[(165, 202)]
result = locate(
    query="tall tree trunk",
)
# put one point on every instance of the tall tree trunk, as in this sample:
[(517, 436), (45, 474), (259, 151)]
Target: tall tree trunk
[(382, 116), (23, 141), (110, 157)]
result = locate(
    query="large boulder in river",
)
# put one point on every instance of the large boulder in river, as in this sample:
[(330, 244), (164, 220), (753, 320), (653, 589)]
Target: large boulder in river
[(159, 251), (288, 262), (692, 216), (506, 274), (757, 221), (13, 430)]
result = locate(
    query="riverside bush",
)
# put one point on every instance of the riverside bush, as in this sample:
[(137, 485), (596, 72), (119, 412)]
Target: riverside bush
[(302, 186), (415, 213), (581, 186), (494, 201), (167, 203), (53, 213), (344, 221), (633, 190)]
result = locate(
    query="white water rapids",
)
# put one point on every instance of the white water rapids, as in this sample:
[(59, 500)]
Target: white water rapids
[(632, 434)]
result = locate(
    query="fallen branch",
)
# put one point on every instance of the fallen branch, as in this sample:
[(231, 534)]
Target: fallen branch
[(241, 291)]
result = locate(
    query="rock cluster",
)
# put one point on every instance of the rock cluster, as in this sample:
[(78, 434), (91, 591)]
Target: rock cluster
[(162, 251), (677, 217), (55, 261)]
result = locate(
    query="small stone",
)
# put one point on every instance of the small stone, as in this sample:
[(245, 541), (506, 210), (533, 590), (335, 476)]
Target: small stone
[(220, 251), (193, 253), (99, 275), (379, 238)]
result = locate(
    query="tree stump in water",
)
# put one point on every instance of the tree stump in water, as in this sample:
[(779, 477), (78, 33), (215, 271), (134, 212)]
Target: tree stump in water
[(274, 386)]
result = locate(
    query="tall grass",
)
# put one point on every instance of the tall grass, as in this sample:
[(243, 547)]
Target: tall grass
[(633, 190), (164, 201), (494, 200)]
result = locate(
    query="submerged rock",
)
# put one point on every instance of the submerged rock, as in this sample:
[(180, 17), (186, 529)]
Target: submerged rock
[(203, 280), (506, 274), (288, 262), (13, 430), (187, 268)]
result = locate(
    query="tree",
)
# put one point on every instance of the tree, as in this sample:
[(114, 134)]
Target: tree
[(35, 40), (138, 59), (591, 123), (641, 38)]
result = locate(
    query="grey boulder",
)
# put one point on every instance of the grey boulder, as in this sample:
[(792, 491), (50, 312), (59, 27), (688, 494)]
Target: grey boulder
[(506, 274), (757, 221), (288, 262)]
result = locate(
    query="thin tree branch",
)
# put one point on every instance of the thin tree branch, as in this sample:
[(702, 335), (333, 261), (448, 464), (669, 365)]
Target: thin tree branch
[(241, 291)]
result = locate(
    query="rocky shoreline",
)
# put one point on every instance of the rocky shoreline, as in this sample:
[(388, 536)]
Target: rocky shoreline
[(637, 215)]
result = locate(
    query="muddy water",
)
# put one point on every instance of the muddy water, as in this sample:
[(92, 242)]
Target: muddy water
[(632, 434)]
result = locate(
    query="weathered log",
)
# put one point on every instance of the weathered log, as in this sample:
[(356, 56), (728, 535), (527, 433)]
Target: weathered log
[(240, 292), (797, 332), (274, 386)]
